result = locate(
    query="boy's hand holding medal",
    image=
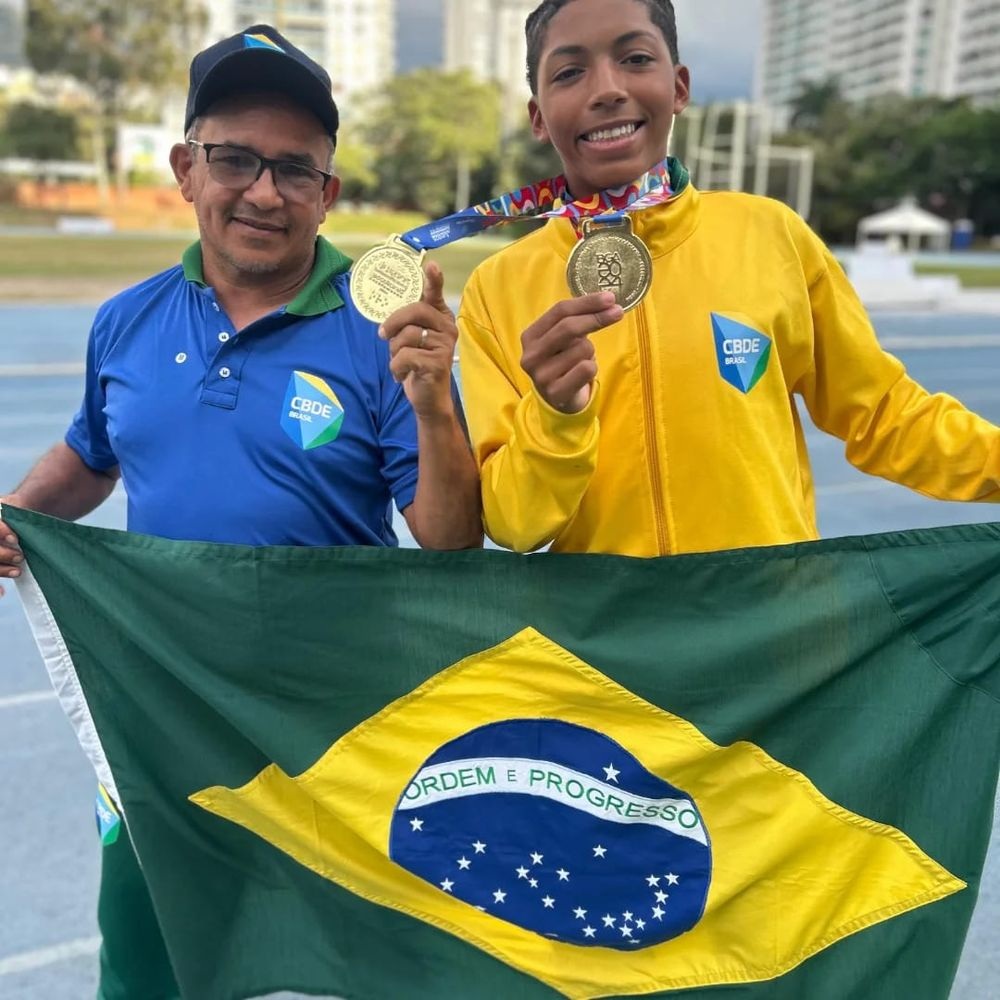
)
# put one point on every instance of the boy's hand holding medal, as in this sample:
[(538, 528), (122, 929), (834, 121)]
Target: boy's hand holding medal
[(557, 352)]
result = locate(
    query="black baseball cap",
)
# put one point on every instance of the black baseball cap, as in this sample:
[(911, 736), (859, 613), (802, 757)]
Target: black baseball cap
[(259, 58)]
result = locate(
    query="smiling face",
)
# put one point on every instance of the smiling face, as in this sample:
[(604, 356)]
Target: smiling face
[(256, 231), (607, 93)]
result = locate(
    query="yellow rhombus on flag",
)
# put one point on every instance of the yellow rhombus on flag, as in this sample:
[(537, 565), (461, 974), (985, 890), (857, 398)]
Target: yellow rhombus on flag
[(686, 863)]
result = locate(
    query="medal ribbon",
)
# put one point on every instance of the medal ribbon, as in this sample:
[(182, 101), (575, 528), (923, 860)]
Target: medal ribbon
[(547, 200)]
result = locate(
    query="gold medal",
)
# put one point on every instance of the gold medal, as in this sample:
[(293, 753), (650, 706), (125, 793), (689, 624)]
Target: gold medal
[(610, 258), (386, 278)]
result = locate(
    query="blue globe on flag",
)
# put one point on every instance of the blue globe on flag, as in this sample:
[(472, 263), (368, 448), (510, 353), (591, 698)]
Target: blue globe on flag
[(559, 830)]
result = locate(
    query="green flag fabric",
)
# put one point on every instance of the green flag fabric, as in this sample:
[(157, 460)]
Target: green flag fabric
[(378, 774)]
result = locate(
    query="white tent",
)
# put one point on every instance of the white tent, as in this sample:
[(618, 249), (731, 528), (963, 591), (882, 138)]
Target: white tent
[(909, 225)]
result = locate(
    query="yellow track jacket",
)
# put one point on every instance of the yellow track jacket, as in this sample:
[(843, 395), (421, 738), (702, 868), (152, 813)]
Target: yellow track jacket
[(693, 439)]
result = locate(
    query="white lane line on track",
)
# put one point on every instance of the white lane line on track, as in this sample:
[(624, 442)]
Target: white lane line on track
[(913, 342), (42, 370), (840, 489), (28, 698), (928, 342), (26, 961)]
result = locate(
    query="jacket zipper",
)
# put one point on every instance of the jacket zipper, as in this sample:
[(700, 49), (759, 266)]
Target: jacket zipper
[(652, 452)]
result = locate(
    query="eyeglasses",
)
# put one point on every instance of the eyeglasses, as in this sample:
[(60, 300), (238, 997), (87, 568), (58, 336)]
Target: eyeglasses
[(238, 168)]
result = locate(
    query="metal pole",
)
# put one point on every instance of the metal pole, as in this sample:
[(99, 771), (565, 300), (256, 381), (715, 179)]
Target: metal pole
[(804, 206), (762, 161), (739, 150)]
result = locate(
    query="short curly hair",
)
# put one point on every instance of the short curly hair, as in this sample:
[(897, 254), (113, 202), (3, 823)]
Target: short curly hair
[(661, 13)]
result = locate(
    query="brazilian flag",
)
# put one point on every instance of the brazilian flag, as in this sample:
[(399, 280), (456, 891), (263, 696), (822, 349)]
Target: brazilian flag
[(384, 774)]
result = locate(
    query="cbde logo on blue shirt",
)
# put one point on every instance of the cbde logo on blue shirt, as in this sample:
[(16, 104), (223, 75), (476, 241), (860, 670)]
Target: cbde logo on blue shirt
[(312, 413), (558, 829), (743, 352)]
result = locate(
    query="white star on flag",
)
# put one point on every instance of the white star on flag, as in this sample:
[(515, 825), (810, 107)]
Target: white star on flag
[(416, 824), (609, 921), (661, 897), (499, 896), (653, 880), (522, 872), (563, 875), (641, 924), (533, 882), (626, 931), (580, 913), (447, 884), (599, 851), (671, 879), (658, 912), (480, 847), (611, 773), (464, 864), (627, 915), (589, 932), (549, 902), (536, 858)]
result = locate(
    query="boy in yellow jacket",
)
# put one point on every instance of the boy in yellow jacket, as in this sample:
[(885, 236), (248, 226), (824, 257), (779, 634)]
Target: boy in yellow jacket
[(674, 427)]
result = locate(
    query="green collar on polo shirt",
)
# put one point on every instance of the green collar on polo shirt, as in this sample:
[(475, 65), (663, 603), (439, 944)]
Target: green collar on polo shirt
[(317, 296)]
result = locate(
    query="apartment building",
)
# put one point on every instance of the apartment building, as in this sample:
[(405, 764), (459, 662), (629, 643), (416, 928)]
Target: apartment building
[(917, 48), (354, 40), (973, 66), (487, 38), (12, 33)]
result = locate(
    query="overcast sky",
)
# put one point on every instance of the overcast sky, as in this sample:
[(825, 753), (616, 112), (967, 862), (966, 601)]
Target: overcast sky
[(718, 40)]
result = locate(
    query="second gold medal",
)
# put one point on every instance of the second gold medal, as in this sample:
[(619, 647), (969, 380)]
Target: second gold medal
[(386, 278)]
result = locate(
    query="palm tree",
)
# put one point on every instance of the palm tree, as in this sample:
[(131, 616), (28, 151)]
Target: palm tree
[(814, 103)]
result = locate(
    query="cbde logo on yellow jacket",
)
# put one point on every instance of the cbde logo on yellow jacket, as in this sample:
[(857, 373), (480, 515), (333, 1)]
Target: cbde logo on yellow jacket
[(528, 804)]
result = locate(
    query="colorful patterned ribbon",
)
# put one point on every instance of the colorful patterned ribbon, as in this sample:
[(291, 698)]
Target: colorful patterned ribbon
[(546, 200)]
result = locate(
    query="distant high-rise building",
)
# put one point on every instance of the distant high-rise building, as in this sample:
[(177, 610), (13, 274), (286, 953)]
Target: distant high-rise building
[(973, 62), (354, 40), (916, 48), (487, 37), (11, 33)]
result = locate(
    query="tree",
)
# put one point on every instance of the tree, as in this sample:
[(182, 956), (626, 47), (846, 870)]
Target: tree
[(112, 47), (869, 156), (431, 132), (529, 159), (959, 157), (39, 133), (816, 105), (354, 164)]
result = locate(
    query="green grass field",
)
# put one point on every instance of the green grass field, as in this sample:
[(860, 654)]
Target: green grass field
[(971, 277), (124, 259), (48, 263), (118, 257)]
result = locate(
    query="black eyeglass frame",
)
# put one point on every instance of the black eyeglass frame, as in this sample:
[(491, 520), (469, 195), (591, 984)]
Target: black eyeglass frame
[(266, 162)]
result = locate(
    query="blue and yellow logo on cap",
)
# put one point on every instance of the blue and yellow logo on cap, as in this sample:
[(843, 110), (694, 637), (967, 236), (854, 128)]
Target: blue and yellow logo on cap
[(312, 413), (260, 42)]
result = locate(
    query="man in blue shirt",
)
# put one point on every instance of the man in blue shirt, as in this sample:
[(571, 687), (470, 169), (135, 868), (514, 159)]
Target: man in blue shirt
[(242, 398)]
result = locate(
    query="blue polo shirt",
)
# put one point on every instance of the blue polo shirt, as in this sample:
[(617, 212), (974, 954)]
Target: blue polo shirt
[(290, 432)]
